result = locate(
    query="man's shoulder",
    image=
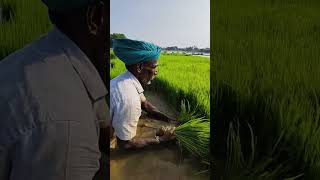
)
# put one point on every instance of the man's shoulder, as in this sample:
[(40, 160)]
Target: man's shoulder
[(119, 80), (42, 57), (122, 83), (41, 71), (24, 59), (119, 77), (15, 67)]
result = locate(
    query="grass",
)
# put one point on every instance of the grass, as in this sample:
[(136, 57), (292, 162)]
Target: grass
[(24, 22), (266, 74)]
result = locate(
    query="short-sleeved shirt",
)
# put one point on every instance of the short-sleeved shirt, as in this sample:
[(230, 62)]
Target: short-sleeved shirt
[(126, 95), (52, 100)]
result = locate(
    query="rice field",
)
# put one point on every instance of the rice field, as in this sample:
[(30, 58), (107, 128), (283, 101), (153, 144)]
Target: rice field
[(266, 90), (21, 22), (180, 78)]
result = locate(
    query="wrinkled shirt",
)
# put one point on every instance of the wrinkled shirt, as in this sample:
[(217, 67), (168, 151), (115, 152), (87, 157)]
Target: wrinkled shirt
[(126, 95), (52, 101)]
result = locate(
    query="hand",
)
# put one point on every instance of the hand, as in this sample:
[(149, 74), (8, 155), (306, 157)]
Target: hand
[(174, 122), (166, 133)]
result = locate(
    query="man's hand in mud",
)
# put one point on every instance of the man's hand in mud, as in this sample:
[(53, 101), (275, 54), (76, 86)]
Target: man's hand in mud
[(166, 133)]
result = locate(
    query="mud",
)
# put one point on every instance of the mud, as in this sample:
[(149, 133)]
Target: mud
[(159, 162)]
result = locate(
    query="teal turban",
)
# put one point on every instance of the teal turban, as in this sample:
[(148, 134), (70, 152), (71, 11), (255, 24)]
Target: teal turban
[(132, 51), (66, 5)]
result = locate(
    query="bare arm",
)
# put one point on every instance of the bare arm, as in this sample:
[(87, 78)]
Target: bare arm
[(154, 112), (164, 134), (137, 143)]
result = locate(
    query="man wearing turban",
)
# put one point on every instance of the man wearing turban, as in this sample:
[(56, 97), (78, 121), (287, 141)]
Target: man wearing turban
[(127, 98), (52, 98)]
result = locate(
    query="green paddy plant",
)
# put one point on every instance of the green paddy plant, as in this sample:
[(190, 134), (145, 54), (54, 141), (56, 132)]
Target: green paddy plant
[(270, 50), (241, 166), (186, 112), (194, 136)]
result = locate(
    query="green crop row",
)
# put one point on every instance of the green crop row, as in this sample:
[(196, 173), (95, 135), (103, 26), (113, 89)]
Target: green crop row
[(266, 78)]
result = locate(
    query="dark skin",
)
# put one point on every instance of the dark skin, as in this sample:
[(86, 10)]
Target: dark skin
[(86, 27), (145, 72)]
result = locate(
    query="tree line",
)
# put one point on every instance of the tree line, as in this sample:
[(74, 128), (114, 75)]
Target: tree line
[(172, 48)]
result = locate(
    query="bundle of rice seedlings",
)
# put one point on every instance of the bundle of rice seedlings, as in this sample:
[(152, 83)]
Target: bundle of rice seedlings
[(194, 136)]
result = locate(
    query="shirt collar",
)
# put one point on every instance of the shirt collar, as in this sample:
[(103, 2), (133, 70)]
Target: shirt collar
[(81, 63), (135, 81)]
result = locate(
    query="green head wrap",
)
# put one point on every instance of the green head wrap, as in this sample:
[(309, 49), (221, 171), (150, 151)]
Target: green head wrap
[(132, 51)]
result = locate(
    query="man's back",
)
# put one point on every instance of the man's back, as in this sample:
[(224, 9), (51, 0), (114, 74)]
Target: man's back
[(48, 97)]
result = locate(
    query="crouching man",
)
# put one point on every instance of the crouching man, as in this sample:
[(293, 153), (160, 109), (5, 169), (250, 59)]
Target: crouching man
[(126, 93)]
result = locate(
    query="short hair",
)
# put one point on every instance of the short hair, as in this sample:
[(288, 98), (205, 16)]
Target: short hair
[(59, 17)]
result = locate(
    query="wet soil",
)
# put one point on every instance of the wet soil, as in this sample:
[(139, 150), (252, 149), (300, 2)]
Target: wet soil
[(158, 162)]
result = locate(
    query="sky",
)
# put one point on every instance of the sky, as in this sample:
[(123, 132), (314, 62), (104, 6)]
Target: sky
[(181, 23)]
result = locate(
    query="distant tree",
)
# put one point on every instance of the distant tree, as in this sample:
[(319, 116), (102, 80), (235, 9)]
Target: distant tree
[(189, 49), (205, 50), (195, 48), (116, 36), (173, 48)]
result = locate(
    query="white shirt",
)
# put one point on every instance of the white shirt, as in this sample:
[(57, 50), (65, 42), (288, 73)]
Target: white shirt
[(126, 95)]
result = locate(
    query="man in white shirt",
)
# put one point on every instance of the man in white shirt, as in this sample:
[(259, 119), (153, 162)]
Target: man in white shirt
[(126, 93)]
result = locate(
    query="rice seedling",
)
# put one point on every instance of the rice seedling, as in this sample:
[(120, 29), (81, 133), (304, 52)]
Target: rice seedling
[(187, 112), (241, 166), (194, 136)]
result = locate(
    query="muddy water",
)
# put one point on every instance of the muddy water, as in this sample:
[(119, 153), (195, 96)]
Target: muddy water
[(163, 162)]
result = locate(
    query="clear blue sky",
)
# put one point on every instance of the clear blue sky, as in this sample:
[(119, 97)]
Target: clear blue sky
[(179, 23)]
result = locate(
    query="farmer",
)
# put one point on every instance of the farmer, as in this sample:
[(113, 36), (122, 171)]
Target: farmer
[(52, 98), (127, 98)]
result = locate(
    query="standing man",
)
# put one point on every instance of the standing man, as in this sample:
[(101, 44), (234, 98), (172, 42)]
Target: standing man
[(52, 97), (127, 98)]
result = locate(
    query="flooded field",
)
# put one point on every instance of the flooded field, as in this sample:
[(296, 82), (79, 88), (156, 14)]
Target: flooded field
[(155, 162)]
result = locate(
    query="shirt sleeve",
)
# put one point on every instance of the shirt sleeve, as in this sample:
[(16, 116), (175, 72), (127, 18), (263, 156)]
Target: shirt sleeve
[(102, 112), (143, 98)]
